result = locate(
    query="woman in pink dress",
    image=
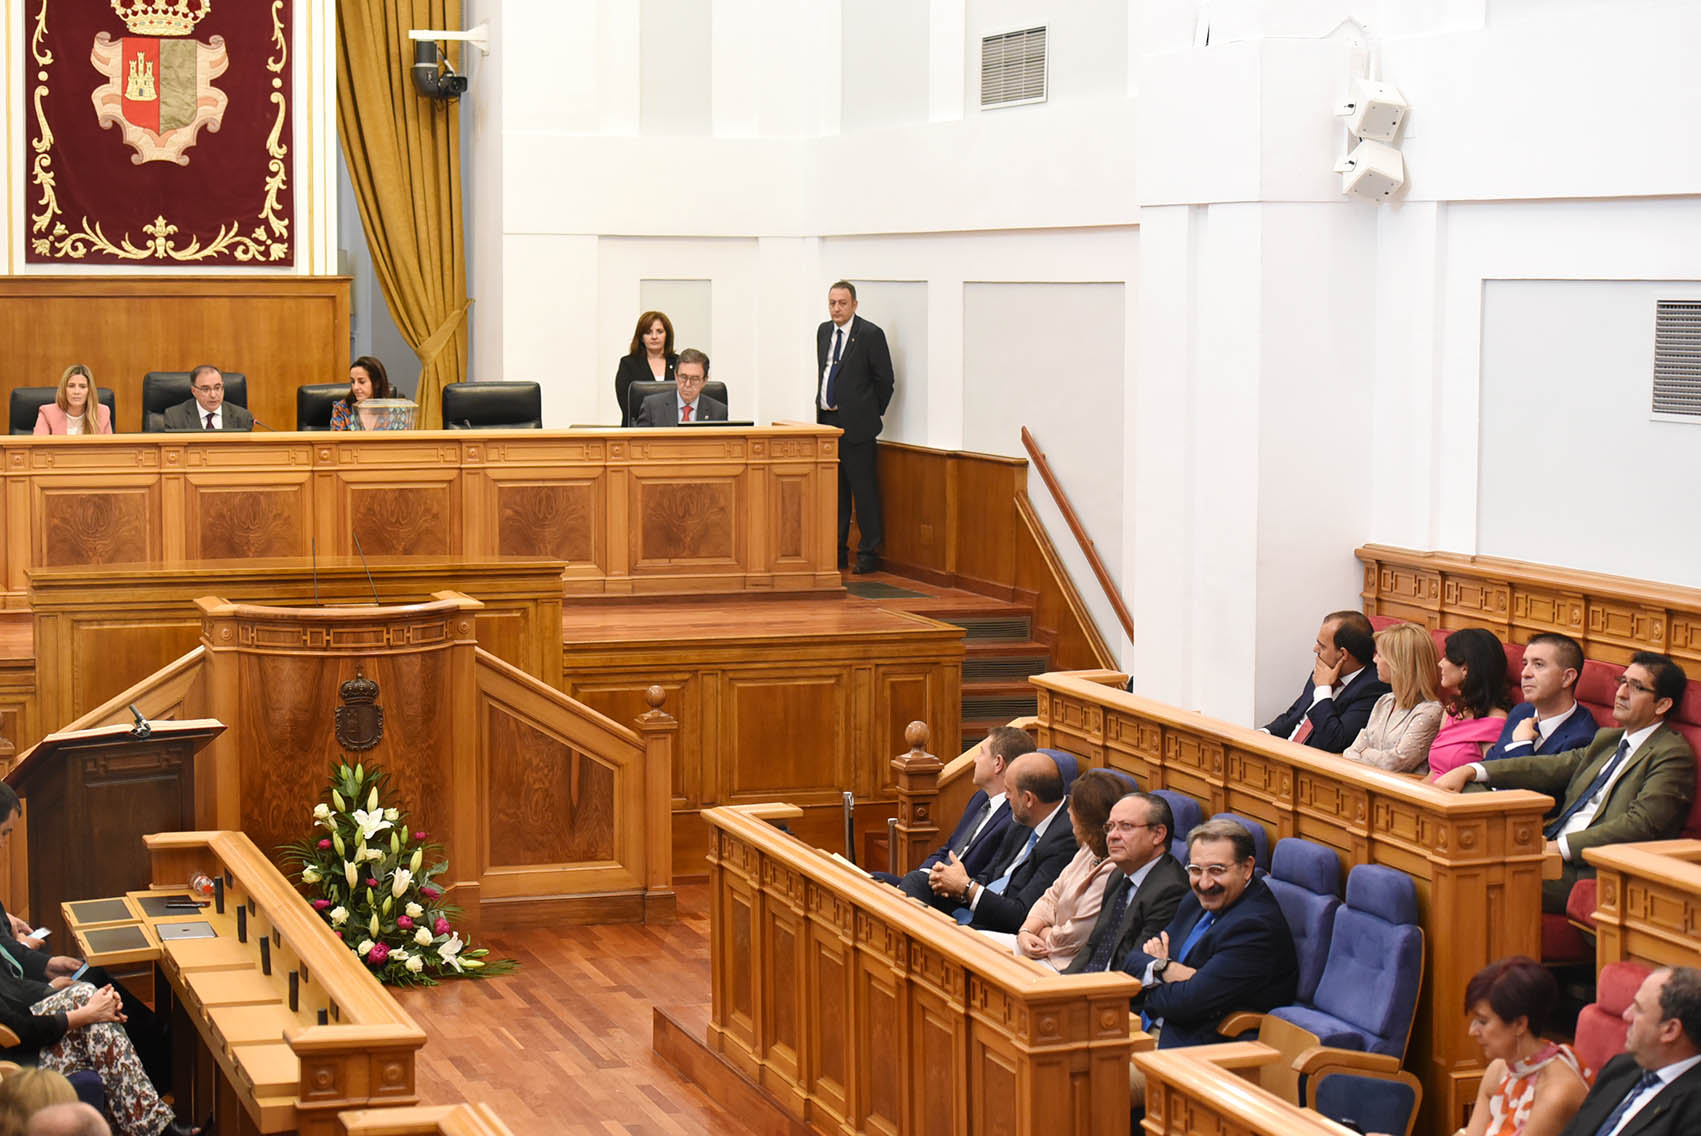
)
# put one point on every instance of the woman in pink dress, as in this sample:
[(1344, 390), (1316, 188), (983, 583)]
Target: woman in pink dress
[(1060, 921), (1473, 678), (1532, 1087)]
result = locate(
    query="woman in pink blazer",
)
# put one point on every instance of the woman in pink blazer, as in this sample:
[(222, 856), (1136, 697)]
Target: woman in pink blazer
[(70, 411)]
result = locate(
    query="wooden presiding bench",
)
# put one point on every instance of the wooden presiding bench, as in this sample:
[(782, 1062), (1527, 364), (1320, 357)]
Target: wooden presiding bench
[(290, 1025), (858, 1010), (460, 1120)]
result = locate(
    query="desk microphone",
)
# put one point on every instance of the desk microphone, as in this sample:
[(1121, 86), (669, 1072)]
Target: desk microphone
[(143, 727), (263, 426), (368, 567)]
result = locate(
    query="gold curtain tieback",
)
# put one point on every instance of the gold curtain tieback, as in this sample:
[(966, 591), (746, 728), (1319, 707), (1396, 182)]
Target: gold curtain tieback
[(439, 339)]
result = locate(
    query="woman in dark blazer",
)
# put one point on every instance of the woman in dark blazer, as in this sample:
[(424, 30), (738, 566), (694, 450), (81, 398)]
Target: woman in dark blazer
[(650, 359)]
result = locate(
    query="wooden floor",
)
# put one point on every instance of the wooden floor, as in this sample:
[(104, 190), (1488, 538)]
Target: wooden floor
[(563, 1046)]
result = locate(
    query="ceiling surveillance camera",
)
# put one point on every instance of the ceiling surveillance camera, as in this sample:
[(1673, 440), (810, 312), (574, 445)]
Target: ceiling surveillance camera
[(432, 75), (1376, 112), (1373, 171)]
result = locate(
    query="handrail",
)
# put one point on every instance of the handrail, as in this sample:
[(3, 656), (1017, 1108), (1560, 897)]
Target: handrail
[(1081, 537)]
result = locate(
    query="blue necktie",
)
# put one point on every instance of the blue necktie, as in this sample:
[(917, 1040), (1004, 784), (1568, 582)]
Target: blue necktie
[(1647, 1081), (1195, 935), (1112, 930), (1557, 825), (833, 375), (973, 828), (964, 915)]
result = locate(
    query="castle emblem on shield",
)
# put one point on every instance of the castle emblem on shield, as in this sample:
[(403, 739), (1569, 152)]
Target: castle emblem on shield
[(159, 88)]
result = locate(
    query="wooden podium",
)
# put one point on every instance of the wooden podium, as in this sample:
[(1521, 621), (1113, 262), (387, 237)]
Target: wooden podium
[(89, 798)]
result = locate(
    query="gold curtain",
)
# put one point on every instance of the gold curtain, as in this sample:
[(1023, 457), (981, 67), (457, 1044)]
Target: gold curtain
[(404, 156)]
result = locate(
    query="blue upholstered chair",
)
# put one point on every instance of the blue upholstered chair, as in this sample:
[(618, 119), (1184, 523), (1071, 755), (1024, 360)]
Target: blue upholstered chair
[(1187, 814), (1260, 838), (1375, 1102), (1067, 764), (1306, 878), (1129, 781), (1368, 992)]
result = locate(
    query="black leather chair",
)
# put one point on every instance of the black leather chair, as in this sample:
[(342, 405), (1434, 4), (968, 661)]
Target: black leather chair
[(493, 406), (162, 390), (27, 400), (639, 391), (313, 403)]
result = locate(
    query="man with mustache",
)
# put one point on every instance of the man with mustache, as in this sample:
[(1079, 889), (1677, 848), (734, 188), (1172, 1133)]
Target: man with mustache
[(1227, 949), (1630, 784)]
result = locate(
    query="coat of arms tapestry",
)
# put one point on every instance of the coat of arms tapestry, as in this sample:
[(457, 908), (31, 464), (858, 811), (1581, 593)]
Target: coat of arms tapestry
[(158, 132)]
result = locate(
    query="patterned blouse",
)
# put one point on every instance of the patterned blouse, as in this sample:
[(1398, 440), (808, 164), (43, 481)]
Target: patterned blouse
[(1513, 1098)]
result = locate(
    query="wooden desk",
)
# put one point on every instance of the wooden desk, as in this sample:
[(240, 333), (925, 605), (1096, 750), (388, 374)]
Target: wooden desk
[(628, 511), (1648, 902), (291, 1026), (1202, 1089), (1476, 858), (857, 1009)]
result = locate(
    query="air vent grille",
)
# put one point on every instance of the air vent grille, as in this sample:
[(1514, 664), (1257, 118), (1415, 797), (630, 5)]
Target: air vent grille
[(1677, 357), (1012, 68)]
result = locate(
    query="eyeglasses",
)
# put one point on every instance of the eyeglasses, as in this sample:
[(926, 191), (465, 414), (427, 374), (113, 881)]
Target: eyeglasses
[(1639, 688), (1211, 871), (1123, 826), (208, 390)]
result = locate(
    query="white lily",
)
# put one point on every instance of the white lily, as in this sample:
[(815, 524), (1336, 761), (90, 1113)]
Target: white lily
[(365, 945), (415, 964), (423, 936), (450, 952), (371, 823), (351, 872), (401, 882), (310, 875), (321, 811)]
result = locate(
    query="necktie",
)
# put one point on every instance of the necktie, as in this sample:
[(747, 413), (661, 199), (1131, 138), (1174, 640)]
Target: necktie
[(1557, 824), (1643, 1084), (685, 412), (1195, 935), (1112, 927), (833, 375), (996, 887), (968, 836), (209, 420), (12, 963)]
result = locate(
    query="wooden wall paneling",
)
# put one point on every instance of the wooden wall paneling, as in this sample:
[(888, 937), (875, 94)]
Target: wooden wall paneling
[(1476, 863), (786, 728), (87, 521), (259, 516), (1648, 902), (280, 331), (918, 500), (1060, 611), (623, 700)]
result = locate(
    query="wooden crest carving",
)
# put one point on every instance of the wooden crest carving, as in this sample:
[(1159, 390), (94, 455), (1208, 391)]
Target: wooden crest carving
[(360, 720)]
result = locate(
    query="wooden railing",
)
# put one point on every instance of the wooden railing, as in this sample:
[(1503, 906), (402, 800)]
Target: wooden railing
[(458, 1120), (1088, 547), (858, 1010), (1209, 1088), (1648, 902)]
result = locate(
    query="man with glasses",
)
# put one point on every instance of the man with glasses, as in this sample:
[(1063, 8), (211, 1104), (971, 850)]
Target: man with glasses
[(207, 410), (1142, 895), (1227, 949), (1630, 784)]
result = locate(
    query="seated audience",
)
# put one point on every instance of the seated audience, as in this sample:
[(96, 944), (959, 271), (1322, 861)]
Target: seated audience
[(649, 360), (1145, 889), (981, 830), (1550, 719), (1653, 1088), (1336, 701), (207, 410), (26, 1093), (1532, 1086), (1060, 920), (1629, 784), (76, 407), (1035, 849), (367, 380), (1227, 949), (686, 403), (1473, 677), (1404, 720), (68, 1120)]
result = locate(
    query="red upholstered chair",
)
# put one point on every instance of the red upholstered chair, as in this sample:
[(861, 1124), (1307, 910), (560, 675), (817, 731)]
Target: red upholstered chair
[(1515, 671), (1600, 1027), (1383, 622), (1596, 688)]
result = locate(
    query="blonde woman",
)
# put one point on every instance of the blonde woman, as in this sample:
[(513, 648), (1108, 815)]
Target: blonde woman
[(26, 1093), (76, 407), (1404, 721)]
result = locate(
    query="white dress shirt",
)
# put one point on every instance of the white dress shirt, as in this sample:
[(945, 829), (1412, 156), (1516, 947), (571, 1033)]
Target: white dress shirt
[(1022, 855), (827, 366), (1319, 693), (1666, 1075), (1545, 728)]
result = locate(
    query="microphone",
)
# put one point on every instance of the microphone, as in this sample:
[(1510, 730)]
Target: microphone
[(143, 727), (315, 571), (263, 426), (365, 565)]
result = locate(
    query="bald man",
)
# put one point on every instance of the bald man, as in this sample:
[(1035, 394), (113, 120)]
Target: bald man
[(68, 1120)]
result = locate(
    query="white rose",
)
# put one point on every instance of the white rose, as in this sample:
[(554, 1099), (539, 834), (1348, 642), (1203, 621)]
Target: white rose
[(321, 812), (365, 945), (374, 853), (392, 815), (339, 916), (399, 955), (423, 936), (416, 964), (310, 875), (414, 910)]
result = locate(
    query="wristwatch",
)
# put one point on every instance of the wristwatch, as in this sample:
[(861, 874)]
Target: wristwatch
[(1159, 967)]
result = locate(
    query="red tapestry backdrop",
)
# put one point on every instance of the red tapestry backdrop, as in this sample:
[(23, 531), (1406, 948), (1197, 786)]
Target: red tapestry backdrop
[(159, 132)]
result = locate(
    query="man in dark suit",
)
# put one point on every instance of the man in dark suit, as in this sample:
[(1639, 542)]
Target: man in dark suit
[(686, 402), (1227, 949), (1343, 688), (1630, 784), (1653, 1088), (854, 383), (980, 832), (208, 409), (1036, 848), (1142, 896), (1549, 720)]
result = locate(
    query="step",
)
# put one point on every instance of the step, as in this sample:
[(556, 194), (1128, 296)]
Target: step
[(998, 702), (1002, 626), (1033, 659)]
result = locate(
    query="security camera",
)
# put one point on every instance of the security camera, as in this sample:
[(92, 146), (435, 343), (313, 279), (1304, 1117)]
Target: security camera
[(1373, 171), (1376, 111), (432, 75)]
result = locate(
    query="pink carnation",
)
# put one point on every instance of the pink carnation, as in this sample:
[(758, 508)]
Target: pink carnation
[(338, 934), (370, 882), (321, 904), (422, 836), (377, 955), (430, 891), (441, 927), (325, 843), (404, 923)]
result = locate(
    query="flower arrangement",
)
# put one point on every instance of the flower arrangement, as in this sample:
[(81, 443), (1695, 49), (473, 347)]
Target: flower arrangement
[(367, 876)]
